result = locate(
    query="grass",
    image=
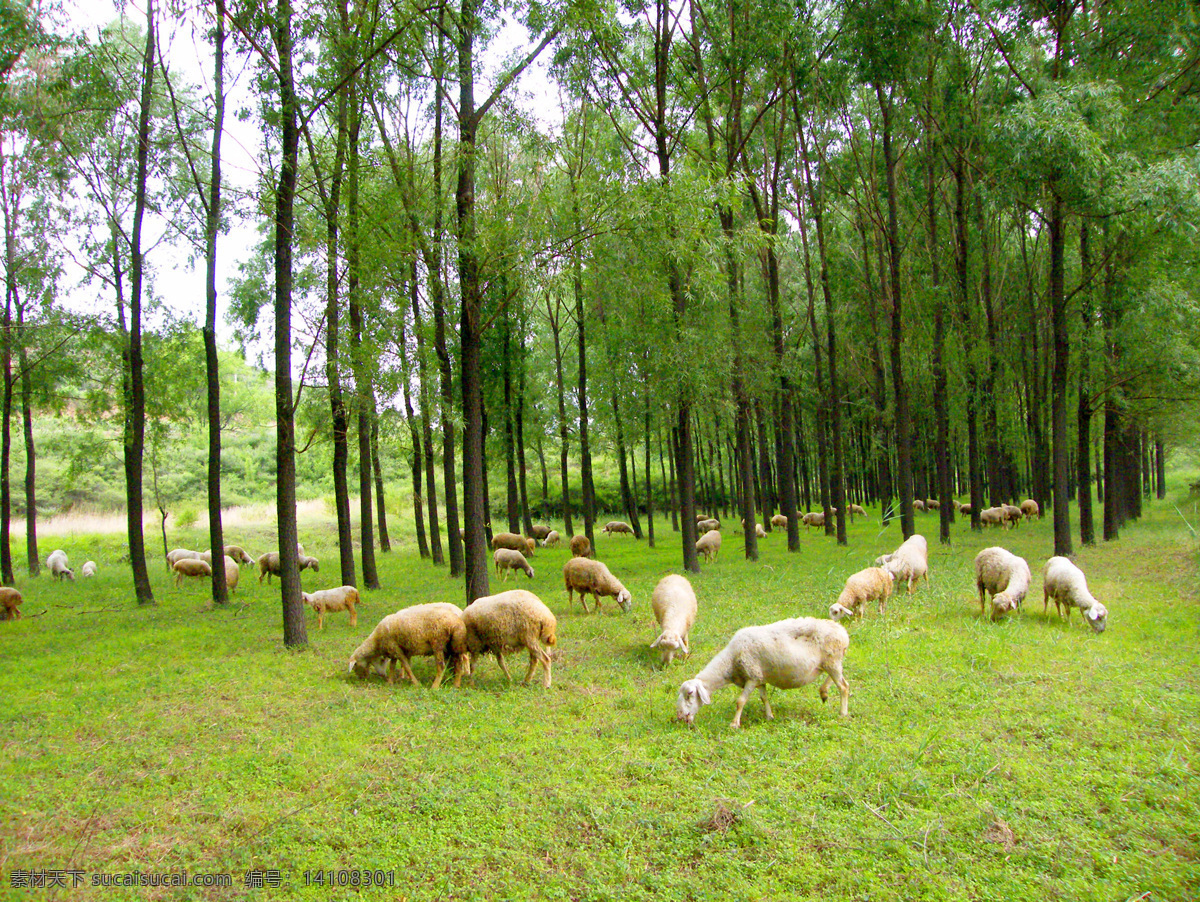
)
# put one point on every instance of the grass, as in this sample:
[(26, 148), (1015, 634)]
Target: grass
[(1022, 760)]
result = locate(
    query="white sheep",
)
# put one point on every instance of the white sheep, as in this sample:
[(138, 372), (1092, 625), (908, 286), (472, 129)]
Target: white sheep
[(506, 560), (425, 629), (709, 544), (552, 539), (514, 542), (539, 532), (232, 573), (1066, 584), (619, 527), (857, 509), (1012, 514), (708, 525), (268, 564), (786, 654), (88, 569), (909, 562), (993, 516), (813, 518), (1003, 574), (872, 584), (779, 520), (343, 598), (56, 563), (507, 622), (674, 604), (587, 576), (181, 554), (191, 568), (238, 553)]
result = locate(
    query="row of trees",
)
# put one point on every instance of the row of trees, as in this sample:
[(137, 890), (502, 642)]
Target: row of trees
[(874, 250)]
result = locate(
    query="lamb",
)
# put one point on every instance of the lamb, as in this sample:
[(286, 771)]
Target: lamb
[(181, 554), (779, 520), (786, 654), (56, 563), (506, 559), (708, 545), (1030, 509), (10, 603), (552, 539), (1066, 584), (580, 546), (513, 542), (709, 525), (909, 562), (584, 575), (1005, 576), (190, 567), (238, 553), (343, 598), (424, 629), (232, 573), (539, 532), (308, 562), (872, 584), (813, 518), (506, 622), (674, 604), (88, 569), (617, 526)]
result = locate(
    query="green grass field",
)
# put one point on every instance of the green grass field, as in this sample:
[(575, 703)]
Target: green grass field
[(1015, 761)]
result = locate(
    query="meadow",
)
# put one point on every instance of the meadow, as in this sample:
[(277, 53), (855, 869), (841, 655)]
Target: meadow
[(1028, 759)]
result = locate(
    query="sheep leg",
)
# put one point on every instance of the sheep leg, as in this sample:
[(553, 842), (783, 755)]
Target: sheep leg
[(441, 668), (741, 703), (320, 618), (534, 660), (980, 587), (1046, 602), (503, 666), (391, 671), (406, 667), (766, 703), (353, 615)]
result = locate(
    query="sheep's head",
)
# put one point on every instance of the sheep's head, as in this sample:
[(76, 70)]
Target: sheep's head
[(838, 611), (360, 668), (1097, 617), (1002, 604), (530, 544), (625, 600), (882, 559), (69, 574), (669, 643), (693, 695), (529, 571)]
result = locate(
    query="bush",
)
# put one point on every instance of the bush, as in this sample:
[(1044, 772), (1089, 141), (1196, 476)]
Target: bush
[(187, 518)]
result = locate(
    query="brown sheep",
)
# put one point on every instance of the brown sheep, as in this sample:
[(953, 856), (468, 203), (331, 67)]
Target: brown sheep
[(580, 546), (514, 542), (190, 568), (10, 604)]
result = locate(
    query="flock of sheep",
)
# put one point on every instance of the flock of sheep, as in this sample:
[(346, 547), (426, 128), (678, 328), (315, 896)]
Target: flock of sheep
[(786, 654)]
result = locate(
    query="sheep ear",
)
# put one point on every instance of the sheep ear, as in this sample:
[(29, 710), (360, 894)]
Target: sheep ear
[(1093, 614), (705, 698), (656, 642), (684, 648)]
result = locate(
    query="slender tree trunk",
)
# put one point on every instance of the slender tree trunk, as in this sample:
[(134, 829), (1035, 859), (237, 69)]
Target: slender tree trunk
[(587, 488), (31, 546), (512, 502), (819, 413), (1062, 351), (6, 566), (649, 480), (418, 513), (1083, 462), (426, 393), (880, 459), (962, 285), (1160, 462), (522, 475), (385, 543), (294, 630), (564, 436), (671, 455)]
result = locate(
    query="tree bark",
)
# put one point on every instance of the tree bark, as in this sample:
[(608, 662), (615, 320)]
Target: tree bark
[(31, 545), (555, 317), (385, 543), (1062, 352), (1083, 447), (425, 393)]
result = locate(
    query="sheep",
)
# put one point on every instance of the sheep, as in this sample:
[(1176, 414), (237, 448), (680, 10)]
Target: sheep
[(343, 598), (181, 554), (779, 520), (308, 562), (539, 532), (238, 553), (1066, 584), (232, 573), (206, 556), (580, 546), (708, 545), (1030, 509), (513, 542), (909, 562), (506, 559), (268, 565), (552, 539), (1012, 514), (425, 629), (918, 505), (509, 621), (872, 584), (674, 604), (786, 654), (1005, 576), (88, 569), (759, 531), (56, 563), (585, 576), (617, 526), (709, 525), (190, 567), (993, 516), (813, 518), (10, 603), (965, 509), (857, 509), (933, 505), (957, 505)]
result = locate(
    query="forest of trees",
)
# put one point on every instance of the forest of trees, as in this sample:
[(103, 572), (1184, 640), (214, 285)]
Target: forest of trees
[(764, 257)]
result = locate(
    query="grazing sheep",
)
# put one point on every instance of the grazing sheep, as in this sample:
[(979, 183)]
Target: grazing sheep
[(1005, 576), (674, 604), (580, 546), (56, 563), (10, 603), (509, 621), (933, 505), (759, 531), (539, 532), (308, 562), (1030, 509), (909, 562), (584, 575), (965, 509), (1012, 514), (872, 584), (786, 654), (514, 542), (232, 573), (705, 526), (190, 567), (708, 545), (857, 509), (238, 553), (425, 629), (206, 556), (617, 526), (957, 505), (1066, 584), (268, 565), (181, 554), (779, 520), (88, 569), (813, 518), (993, 516), (506, 559), (552, 539), (918, 505), (343, 598)]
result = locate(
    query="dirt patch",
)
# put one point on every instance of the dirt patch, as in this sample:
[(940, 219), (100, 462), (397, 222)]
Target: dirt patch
[(1000, 833)]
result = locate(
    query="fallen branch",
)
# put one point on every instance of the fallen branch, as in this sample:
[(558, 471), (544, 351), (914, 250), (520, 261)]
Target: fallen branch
[(1191, 528), (99, 611)]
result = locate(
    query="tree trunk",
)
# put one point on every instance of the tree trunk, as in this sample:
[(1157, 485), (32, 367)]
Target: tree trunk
[(418, 513), (671, 464), (587, 488), (385, 543), (31, 546), (555, 318), (649, 480), (425, 393), (819, 413), (967, 337), (512, 501), (1083, 446), (1062, 351), (522, 475), (6, 567), (1160, 463)]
